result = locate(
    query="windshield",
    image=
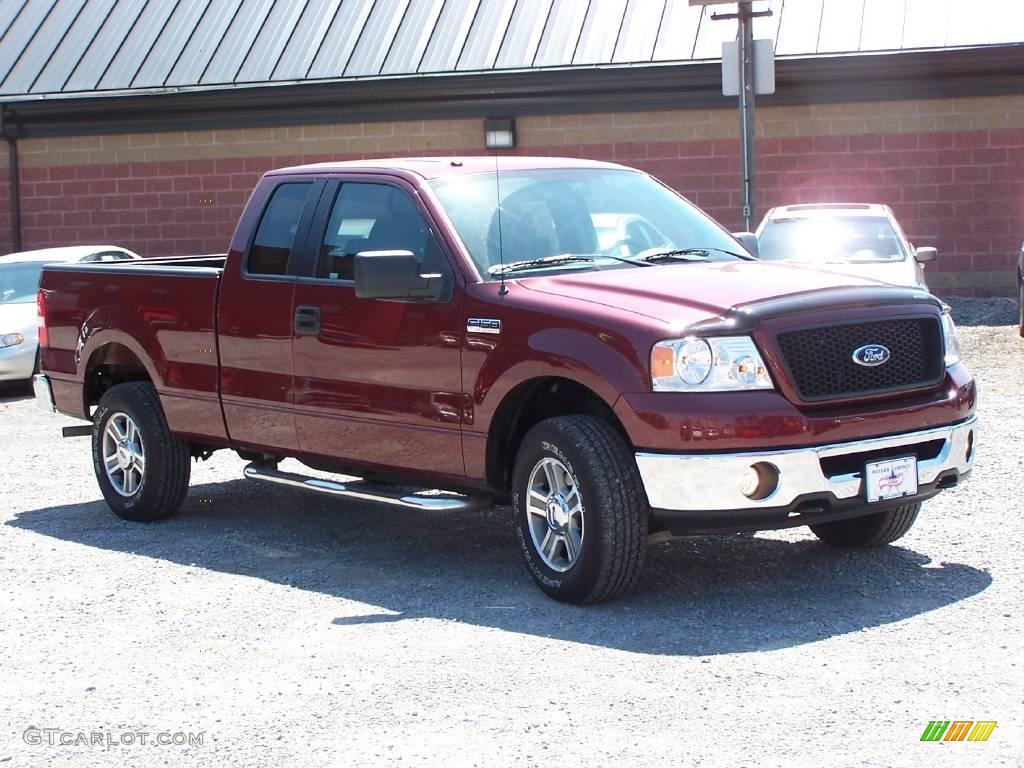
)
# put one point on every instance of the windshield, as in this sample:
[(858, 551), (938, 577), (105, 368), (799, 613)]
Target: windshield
[(607, 215), (19, 282), (831, 239)]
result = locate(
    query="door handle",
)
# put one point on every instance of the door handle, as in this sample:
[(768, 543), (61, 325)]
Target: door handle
[(307, 321)]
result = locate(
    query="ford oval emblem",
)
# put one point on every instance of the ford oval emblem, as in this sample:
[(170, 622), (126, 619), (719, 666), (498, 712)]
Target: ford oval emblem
[(871, 355)]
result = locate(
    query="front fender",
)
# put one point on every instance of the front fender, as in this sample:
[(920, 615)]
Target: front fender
[(605, 363)]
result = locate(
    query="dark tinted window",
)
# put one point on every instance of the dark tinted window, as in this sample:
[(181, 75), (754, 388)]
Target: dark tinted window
[(373, 217), (275, 235)]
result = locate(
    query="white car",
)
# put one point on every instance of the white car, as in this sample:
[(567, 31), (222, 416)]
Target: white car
[(19, 282), (854, 239)]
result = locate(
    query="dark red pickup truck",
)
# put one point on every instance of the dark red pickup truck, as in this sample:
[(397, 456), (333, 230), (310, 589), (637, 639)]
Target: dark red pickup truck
[(594, 350)]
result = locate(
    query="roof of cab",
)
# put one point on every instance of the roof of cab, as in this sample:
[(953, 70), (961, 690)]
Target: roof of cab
[(438, 167)]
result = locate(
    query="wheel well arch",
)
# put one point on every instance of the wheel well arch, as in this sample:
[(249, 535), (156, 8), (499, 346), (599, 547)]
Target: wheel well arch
[(110, 364), (529, 403)]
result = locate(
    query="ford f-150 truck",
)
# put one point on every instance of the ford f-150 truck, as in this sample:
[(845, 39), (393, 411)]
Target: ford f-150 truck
[(569, 337)]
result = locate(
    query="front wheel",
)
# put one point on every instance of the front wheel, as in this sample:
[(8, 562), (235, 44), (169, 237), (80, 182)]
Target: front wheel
[(580, 509), (142, 468), (874, 530)]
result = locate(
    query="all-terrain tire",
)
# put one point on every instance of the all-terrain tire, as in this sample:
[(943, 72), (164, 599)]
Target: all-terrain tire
[(167, 462), (614, 508), (874, 530)]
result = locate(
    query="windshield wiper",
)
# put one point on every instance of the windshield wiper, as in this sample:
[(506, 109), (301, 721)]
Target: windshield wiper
[(685, 254), (547, 261)]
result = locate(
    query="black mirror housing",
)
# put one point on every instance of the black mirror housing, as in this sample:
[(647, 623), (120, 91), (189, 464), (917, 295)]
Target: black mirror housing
[(395, 275), (749, 242), (926, 254)]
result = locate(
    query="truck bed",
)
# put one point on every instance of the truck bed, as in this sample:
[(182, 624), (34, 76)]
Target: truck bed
[(154, 315)]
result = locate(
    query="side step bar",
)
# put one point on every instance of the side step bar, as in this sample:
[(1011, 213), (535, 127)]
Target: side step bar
[(364, 491)]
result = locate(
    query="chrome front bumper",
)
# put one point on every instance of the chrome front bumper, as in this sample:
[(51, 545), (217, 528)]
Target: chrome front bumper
[(43, 392), (711, 482)]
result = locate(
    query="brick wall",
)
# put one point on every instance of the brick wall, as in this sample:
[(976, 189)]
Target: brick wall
[(952, 169), (5, 202)]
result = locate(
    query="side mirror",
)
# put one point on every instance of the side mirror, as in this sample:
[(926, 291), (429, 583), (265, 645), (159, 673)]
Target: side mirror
[(922, 255), (394, 275), (749, 242)]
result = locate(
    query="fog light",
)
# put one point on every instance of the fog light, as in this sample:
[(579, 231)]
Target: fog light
[(759, 481), (969, 454)]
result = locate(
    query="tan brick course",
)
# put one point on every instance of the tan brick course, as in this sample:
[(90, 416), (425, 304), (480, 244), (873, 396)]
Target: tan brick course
[(912, 116)]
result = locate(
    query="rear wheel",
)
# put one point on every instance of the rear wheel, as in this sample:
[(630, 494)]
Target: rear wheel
[(874, 530), (580, 509), (141, 467)]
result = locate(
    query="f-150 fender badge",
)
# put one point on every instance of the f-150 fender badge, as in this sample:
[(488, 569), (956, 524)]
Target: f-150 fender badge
[(483, 325)]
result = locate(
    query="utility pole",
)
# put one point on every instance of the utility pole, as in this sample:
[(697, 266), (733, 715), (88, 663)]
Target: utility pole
[(745, 15), (745, 39)]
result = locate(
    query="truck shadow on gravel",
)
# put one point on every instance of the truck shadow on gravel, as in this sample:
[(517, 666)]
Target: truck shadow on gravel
[(724, 594)]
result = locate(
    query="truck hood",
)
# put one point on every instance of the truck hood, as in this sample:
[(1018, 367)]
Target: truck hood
[(679, 295)]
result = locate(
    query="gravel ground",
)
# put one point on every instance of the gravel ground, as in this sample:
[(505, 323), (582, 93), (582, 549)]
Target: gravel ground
[(290, 629)]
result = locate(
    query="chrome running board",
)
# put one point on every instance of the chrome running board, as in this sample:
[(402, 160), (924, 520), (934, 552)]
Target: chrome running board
[(423, 500)]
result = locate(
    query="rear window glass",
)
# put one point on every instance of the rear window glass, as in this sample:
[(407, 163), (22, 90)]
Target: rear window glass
[(19, 282), (275, 236)]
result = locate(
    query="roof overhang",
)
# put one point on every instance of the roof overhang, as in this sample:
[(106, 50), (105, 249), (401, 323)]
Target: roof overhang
[(935, 73)]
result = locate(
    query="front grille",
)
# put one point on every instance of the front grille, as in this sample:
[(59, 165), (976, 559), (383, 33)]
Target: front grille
[(821, 366)]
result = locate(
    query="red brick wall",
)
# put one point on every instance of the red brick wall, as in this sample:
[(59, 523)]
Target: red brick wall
[(960, 190)]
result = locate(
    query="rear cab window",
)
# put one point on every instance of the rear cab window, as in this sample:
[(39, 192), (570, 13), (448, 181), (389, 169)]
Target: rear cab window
[(274, 242)]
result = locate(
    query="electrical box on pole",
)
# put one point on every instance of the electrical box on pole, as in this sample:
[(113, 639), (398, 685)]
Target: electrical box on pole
[(764, 67)]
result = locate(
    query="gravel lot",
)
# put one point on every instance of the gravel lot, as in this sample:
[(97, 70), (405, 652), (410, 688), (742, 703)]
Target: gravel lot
[(295, 630)]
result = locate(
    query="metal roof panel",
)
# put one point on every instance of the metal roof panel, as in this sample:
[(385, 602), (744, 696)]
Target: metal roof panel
[(600, 32), (306, 39), (882, 26), (525, 28), (8, 13), (445, 46), (238, 39), (41, 47), (135, 47), (840, 26), (73, 46), (270, 43), (377, 38), (678, 33), (94, 63), (20, 33), (639, 32), (486, 35), (341, 38), (168, 47), (411, 40), (203, 43), (562, 35)]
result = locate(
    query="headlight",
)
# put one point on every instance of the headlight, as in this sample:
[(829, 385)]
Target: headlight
[(717, 364), (950, 341), (11, 340)]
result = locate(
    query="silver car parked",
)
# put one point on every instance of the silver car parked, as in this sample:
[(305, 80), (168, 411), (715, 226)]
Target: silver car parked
[(855, 239), (19, 282)]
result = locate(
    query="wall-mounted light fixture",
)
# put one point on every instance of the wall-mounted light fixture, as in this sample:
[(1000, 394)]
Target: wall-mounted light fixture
[(499, 133)]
